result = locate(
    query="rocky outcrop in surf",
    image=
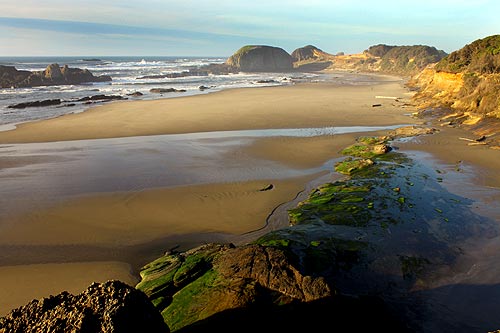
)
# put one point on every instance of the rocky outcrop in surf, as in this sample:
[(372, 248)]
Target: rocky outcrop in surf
[(308, 52), (261, 58), (53, 75)]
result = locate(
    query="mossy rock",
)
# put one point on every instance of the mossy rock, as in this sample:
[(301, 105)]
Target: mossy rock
[(350, 166)]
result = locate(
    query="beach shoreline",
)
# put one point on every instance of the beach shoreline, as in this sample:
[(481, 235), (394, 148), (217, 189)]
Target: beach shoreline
[(226, 110)]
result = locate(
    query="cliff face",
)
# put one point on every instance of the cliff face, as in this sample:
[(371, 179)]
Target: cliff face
[(52, 75), (261, 58), (468, 82)]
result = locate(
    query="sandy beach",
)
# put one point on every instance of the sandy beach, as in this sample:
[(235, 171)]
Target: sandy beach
[(97, 229), (299, 106)]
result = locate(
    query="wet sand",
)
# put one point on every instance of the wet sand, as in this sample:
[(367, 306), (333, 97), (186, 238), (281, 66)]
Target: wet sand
[(21, 284), (103, 202)]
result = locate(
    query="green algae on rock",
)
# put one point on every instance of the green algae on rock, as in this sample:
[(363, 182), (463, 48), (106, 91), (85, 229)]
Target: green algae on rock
[(191, 286)]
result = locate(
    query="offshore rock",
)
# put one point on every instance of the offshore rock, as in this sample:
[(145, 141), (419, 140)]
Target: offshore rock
[(53, 75), (46, 102), (308, 52), (261, 58), (109, 307)]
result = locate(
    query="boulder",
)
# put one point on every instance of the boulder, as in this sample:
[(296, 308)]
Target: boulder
[(217, 279), (261, 58), (108, 307)]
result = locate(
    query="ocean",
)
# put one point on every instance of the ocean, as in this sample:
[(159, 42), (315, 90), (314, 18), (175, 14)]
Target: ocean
[(125, 73)]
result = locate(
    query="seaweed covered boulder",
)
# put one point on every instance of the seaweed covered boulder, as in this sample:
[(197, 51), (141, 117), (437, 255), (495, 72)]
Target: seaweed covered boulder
[(108, 307), (217, 279), (261, 58)]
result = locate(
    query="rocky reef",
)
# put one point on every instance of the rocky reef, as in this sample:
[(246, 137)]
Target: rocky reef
[(10, 77), (111, 307), (467, 84), (355, 248), (261, 58)]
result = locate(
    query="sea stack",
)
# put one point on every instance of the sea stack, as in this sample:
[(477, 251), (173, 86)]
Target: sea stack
[(261, 58)]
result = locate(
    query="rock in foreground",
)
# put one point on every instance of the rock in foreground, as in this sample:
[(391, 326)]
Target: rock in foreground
[(261, 58), (108, 307), (215, 280)]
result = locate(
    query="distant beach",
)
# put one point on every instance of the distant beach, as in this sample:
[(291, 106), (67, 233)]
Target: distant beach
[(133, 78)]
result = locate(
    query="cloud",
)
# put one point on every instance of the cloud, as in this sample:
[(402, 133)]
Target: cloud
[(88, 28)]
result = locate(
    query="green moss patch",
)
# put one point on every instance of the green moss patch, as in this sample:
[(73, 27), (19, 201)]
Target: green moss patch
[(334, 203), (187, 306), (350, 166)]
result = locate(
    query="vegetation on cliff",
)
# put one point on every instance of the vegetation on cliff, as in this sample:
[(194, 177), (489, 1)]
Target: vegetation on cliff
[(410, 59), (467, 81), (389, 59), (480, 57)]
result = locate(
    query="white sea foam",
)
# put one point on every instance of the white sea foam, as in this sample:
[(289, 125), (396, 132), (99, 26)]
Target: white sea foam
[(125, 72)]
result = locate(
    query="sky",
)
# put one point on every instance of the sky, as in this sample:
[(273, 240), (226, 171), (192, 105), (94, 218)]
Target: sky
[(218, 28)]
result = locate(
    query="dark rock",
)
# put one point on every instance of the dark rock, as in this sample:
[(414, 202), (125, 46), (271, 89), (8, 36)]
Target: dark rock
[(267, 188), (267, 81), (10, 76), (261, 58), (135, 94), (47, 102), (165, 90), (169, 75), (69, 104), (203, 88), (52, 75), (100, 98), (209, 69), (108, 307)]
